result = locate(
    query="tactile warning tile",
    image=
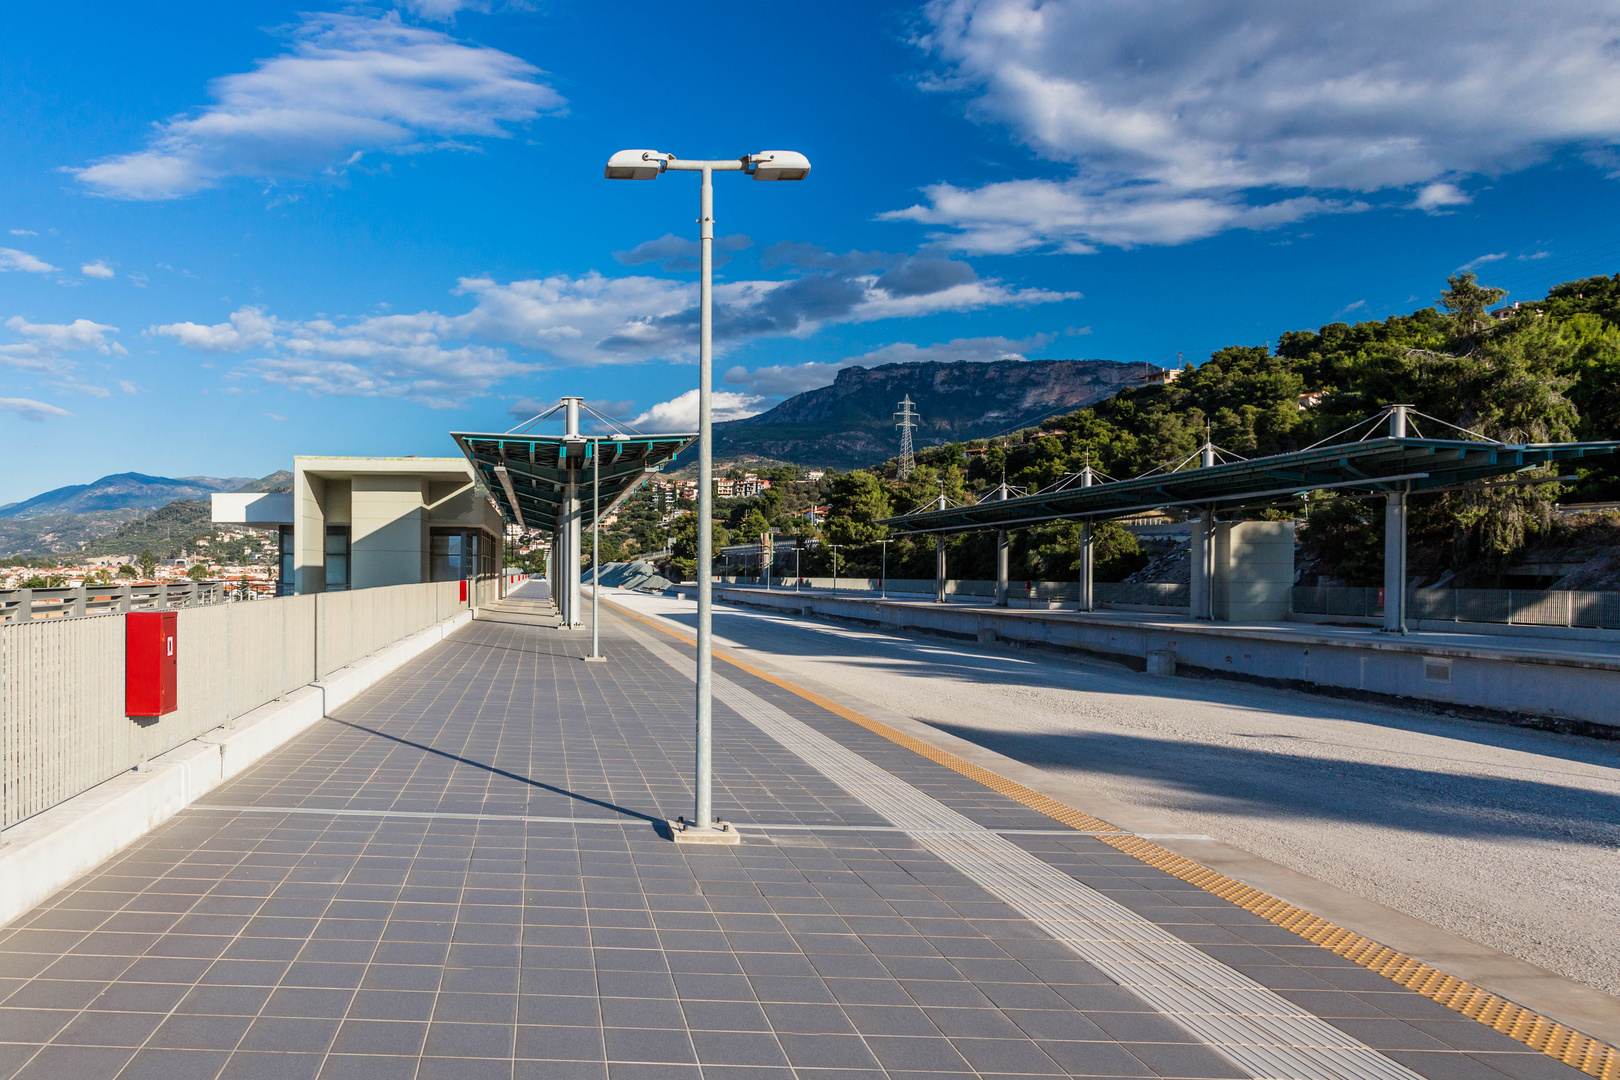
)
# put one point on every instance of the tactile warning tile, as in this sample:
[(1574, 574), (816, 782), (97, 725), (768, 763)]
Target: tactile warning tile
[(1518, 1023)]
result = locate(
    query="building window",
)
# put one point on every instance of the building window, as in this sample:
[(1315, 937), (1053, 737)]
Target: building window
[(456, 555), (287, 578), (337, 558)]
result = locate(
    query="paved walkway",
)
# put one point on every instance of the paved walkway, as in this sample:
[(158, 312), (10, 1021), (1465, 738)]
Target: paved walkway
[(460, 875)]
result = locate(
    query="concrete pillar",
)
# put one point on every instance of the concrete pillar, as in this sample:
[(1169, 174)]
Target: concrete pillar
[(1085, 567), (1001, 568), (939, 569), (571, 567), (1203, 565), (1395, 562)]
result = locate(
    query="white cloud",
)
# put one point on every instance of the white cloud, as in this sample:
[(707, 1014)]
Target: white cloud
[(1435, 197), (46, 346), (349, 85), (1476, 263), (783, 380), (12, 259), (247, 328), (681, 413), (128, 387), (1190, 117), (31, 410), (277, 417), (97, 269), (23, 232), (441, 359), (599, 320)]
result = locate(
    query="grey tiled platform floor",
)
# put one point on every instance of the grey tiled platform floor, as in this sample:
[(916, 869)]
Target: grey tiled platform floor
[(329, 940)]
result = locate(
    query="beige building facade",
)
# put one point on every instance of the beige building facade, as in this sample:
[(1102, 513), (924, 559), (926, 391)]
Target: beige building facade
[(359, 523)]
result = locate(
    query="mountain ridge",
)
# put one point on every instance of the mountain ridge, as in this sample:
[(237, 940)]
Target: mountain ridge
[(850, 423), (121, 491)]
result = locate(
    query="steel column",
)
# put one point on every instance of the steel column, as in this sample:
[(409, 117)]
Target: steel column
[(1395, 562), (702, 795)]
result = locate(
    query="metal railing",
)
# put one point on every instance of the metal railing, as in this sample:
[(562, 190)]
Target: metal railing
[(1133, 594), (22, 605), (63, 729), (1521, 607)]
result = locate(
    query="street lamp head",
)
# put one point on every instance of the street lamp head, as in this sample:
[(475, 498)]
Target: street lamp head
[(635, 165), (779, 165)]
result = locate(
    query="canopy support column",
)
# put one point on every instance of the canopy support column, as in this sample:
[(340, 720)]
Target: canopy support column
[(1395, 562), (571, 567), (1203, 565), (1085, 567), (939, 569), (1001, 568)]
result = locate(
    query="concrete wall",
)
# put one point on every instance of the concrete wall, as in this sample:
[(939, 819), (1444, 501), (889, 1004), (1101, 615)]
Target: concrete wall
[(62, 722), (390, 531), (309, 532), (1254, 571)]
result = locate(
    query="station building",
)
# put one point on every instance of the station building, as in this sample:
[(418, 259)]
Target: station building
[(363, 522)]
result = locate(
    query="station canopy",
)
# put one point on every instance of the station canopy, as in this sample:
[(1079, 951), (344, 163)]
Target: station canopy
[(1372, 466), (528, 474)]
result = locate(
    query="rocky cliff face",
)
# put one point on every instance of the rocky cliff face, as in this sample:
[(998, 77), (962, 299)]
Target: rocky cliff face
[(850, 424)]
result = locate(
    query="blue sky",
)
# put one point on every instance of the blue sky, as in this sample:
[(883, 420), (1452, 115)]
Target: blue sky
[(237, 232)]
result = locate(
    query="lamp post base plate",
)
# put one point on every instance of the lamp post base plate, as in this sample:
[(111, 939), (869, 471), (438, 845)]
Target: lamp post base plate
[(722, 833)]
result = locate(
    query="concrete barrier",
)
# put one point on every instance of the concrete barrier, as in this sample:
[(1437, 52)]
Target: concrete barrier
[(48, 851), (1536, 679)]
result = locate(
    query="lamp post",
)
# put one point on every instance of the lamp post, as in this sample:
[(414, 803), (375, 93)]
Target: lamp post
[(647, 165)]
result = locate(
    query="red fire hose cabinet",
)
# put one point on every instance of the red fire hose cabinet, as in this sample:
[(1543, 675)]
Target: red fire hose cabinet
[(150, 674)]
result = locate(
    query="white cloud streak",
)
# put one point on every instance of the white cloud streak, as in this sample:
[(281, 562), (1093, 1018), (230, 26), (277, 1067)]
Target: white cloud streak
[(12, 259), (247, 328), (97, 269), (680, 414), (443, 359), (46, 345), (1185, 118), (348, 86), (29, 409)]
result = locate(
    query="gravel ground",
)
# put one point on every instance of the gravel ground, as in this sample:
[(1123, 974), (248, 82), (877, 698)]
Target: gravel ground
[(1507, 836)]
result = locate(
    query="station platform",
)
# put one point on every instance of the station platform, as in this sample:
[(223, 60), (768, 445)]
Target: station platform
[(1541, 678), (465, 873)]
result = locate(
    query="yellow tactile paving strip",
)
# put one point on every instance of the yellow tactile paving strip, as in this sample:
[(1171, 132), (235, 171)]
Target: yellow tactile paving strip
[(1532, 1029)]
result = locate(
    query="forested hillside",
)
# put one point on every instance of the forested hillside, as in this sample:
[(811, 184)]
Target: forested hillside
[(1541, 371)]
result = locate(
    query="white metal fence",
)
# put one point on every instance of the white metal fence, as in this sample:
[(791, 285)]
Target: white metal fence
[(21, 605), (1521, 607), (62, 724)]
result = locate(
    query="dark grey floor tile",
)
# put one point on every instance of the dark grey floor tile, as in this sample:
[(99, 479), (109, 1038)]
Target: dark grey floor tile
[(272, 1066), (738, 1048), (151, 1064), (76, 1063), (826, 1051)]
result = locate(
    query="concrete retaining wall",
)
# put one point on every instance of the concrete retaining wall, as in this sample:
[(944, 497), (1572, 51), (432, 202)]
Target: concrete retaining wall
[(51, 849)]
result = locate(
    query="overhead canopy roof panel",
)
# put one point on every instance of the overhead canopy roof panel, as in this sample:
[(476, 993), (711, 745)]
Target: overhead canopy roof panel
[(1375, 465), (537, 469)]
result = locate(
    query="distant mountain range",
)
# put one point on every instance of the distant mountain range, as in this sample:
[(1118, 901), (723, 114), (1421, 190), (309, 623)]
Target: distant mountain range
[(850, 424), (121, 491), (67, 519)]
